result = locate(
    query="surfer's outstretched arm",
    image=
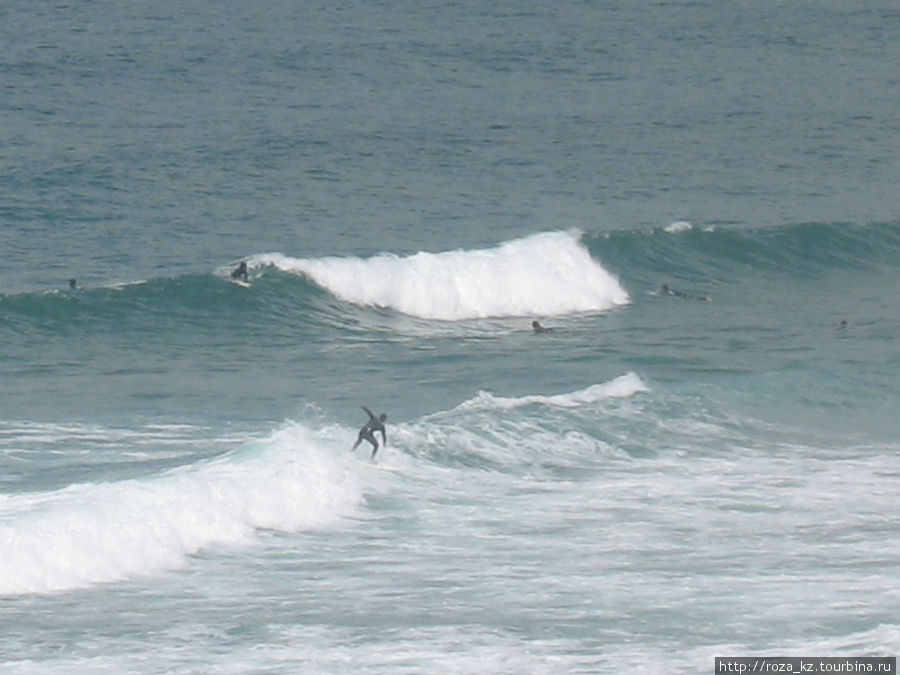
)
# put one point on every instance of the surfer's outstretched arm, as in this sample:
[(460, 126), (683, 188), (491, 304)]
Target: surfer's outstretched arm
[(369, 412)]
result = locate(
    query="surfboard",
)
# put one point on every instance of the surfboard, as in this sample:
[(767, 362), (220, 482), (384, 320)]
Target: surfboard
[(241, 283), (381, 467)]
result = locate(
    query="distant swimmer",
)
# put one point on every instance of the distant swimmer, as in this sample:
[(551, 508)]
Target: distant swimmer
[(368, 431), (240, 272), (538, 328), (665, 290), (843, 325)]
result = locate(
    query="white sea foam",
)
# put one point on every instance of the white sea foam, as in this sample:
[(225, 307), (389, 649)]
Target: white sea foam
[(678, 226), (547, 274), (621, 387), (92, 533)]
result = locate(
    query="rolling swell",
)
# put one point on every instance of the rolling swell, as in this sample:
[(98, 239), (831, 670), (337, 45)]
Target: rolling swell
[(547, 274), (721, 255), (195, 302), (560, 273)]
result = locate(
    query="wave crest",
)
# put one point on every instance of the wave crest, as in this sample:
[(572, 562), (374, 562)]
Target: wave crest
[(624, 386), (547, 274)]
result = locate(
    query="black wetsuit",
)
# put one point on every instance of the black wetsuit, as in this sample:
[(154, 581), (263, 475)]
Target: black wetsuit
[(665, 290), (368, 431), (240, 272)]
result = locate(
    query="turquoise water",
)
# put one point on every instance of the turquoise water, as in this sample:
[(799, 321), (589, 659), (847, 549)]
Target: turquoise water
[(659, 480)]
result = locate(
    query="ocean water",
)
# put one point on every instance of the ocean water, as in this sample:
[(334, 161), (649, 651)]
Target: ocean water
[(659, 480)]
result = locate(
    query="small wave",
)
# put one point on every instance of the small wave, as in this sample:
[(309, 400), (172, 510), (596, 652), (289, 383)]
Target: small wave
[(546, 274), (557, 432), (622, 387)]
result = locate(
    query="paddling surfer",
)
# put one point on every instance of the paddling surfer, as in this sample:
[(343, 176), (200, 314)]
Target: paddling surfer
[(665, 290), (240, 272)]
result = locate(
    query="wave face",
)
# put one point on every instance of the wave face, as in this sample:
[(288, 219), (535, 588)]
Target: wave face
[(723, 255), (545, 274), (89, 533)]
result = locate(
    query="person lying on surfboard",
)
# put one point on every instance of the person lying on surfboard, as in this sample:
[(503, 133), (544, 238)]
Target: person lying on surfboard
[(665, 290), (368, 431), (240, 272)]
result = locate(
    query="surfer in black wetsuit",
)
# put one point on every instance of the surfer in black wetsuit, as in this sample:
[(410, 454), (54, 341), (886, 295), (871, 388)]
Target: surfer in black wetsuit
[(665, 290), (240, 272), (538, 328), (368, 431)]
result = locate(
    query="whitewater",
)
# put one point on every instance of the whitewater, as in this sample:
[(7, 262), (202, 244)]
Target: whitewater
[(296, 479), (545, 274), (101, 532)]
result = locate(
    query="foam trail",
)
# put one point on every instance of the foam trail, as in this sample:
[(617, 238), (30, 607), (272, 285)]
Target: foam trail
[(547, 274), (92, 533), (624, 386)]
